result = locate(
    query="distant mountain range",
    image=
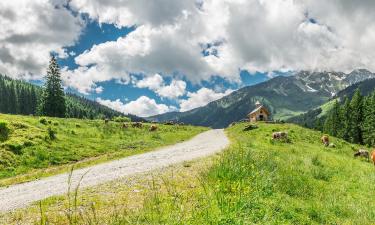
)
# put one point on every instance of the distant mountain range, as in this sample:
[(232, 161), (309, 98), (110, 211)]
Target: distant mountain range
[(285, 96)]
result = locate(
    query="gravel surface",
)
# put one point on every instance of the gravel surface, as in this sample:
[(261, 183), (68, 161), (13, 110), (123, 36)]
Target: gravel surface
[(21, 195)]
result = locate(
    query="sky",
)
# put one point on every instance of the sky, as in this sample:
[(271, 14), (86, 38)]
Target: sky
[(149, 57)]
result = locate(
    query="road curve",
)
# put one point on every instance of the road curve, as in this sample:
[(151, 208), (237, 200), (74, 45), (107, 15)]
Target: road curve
[(22, 195)]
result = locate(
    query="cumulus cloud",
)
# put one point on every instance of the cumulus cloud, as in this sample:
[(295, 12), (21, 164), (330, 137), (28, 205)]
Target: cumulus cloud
[(156, 83), (201, 98), (143, 106), (29, 31), (199, 39)]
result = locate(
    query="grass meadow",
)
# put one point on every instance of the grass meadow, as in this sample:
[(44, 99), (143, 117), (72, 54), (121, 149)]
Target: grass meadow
[(255, 181), (33, 147)]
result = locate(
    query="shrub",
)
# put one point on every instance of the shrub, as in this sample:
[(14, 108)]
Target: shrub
[(121, 119), (15, 147), (55, 123), (78, 126), (7, 159), (43, 121), (51, 133), (4, 131)]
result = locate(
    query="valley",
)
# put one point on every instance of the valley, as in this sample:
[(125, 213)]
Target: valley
[(255, 180)]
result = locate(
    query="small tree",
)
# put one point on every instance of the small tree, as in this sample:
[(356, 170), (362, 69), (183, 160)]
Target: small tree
[(53, 98)]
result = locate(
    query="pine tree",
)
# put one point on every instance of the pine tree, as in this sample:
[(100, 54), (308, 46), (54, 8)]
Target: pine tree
[(345, 112), (369, 121), (333, 123), (53, 99), (356, 110)]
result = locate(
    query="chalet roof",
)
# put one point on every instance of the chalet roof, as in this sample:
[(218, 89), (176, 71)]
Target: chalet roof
[(259, 108)]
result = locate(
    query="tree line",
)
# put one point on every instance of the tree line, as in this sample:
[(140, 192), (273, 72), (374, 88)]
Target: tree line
[(353, 119), (19, 97)]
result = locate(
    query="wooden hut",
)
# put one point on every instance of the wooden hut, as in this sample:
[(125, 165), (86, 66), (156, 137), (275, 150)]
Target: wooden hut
[(260, 113)]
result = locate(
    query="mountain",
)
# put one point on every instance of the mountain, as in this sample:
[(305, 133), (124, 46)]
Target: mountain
[(284, 96), (314, 118), (366, 87), (20, 97)]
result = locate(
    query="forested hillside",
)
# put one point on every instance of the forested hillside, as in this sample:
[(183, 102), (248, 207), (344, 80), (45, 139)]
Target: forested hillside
[(19, 97)]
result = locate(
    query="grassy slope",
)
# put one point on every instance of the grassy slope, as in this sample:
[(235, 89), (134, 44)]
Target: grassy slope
[(255, 181), (29, 150)]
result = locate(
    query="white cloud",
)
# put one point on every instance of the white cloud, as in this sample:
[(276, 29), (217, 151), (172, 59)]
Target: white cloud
[(143, 106), (156, 83), (151, 82), (254, 35), (201, 98), (29, 31)]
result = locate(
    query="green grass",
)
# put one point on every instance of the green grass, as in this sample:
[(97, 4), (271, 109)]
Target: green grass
[(255, 181), (35, 147), (326, 107)]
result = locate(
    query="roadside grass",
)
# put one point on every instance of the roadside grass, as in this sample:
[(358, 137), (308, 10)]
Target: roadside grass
[(255, 181), (40, 146)]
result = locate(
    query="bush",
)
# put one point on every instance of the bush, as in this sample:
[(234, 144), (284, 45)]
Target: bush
[(121, 119), (15, 147), (51, 133), (7, 159), (4, 131), (43, 121)]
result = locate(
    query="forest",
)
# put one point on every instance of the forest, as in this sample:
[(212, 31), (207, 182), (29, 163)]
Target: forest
[(20, 97)]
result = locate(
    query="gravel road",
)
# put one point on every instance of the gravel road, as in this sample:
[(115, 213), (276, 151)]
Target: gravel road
[(22, 195)]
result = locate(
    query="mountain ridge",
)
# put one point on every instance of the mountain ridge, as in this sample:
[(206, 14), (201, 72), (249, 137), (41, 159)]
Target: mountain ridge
[(285, 96)]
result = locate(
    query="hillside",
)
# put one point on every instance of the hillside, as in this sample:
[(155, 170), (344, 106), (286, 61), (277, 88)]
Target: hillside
[(20, 97), (37, 146), (314, 118), (284, 96), (255, 181)]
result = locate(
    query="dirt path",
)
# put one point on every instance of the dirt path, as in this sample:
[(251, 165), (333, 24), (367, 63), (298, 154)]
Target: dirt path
[(21, 195)]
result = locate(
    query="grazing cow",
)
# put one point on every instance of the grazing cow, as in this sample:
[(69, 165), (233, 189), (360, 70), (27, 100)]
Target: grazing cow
[(169, 123), (153, 128), (373, 156), (279, 135), (125, 126), (362, 153), (137, 125), (325, 140)]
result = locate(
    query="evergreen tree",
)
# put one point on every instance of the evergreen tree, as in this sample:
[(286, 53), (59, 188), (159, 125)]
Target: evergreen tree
[(333, 124), (346, 124), (356, 118), (369, 121), (53, 99)]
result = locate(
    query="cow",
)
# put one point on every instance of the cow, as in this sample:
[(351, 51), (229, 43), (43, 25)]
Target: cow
[(137, 125), (373, 156), (362, 153), (125, 126), (153, 128), (325, 140), (106, 121), (279, 135), (169, 123)]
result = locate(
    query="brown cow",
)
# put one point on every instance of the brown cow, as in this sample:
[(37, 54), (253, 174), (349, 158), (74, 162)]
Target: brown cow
[(325, 140), (125, 126), (362, 153), (373, 156), (137, 125), (153, 128), (280, 135)]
